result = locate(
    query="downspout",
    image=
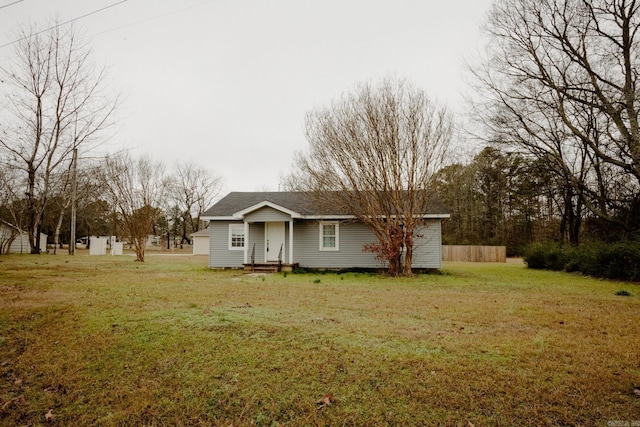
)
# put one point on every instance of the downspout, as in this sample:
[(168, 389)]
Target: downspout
[(291, 241), (246, 242)]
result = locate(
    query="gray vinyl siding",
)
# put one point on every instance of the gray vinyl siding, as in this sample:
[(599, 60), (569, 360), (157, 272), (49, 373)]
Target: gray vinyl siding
[(267, 214), (352, 237), (219, 254), (427, 250), (306, 246)]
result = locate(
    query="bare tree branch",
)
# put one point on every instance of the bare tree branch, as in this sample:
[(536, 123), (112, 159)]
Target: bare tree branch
[(136, 188), (375, 152), (560, 84), (193, 189), (54, 104)]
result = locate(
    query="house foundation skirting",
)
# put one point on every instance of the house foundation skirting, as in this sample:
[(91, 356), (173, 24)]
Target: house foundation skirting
[(273, 267)]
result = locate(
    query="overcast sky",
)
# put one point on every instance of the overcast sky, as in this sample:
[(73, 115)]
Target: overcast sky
[(226, 83)]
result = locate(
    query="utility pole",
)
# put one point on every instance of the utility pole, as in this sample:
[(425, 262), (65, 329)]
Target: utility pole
[(74, 196)]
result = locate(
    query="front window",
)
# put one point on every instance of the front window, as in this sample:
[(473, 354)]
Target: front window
[(236, 236), (329, 237)]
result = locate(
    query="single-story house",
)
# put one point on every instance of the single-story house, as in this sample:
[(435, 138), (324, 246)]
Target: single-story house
[(200, 240), (248, 228)]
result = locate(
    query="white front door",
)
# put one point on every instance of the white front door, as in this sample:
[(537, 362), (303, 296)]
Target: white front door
[(274, 234)]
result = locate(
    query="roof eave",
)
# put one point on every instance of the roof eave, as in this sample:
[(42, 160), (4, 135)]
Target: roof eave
[(237, 217), (220, 218)]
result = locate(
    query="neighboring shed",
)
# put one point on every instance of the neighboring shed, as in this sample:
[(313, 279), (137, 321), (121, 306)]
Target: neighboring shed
[(18, 240), (249, 228), (200, 240)]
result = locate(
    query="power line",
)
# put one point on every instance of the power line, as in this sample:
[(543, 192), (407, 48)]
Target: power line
[(151, 18), (11, 4), (63, 23)]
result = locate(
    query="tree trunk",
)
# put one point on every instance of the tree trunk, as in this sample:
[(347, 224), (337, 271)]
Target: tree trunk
[(6, 242), (56, 236), (139, 248), (395, 267), (574, 228), (408, 260), (408, 246), (184, 231), (32, 226)]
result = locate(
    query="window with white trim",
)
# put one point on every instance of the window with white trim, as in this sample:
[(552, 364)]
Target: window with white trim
[(329, 236), (236, 237)]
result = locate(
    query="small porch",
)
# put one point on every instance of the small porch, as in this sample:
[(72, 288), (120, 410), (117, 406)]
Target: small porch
[(266, 237), (270, 267), (273, 264), (268, 242)]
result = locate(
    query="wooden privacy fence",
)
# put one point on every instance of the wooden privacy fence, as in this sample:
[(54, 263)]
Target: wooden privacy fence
[(474, 253)]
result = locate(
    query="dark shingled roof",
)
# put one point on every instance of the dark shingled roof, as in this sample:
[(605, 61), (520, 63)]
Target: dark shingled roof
[(303, 203)]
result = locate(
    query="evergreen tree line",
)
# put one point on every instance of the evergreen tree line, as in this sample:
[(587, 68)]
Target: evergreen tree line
[(507, 198)]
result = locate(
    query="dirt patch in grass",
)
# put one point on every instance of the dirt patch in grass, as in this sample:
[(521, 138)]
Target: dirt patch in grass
[(108, 341)]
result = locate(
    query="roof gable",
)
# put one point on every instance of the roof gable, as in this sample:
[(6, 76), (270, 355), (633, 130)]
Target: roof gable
[(266, 203), (236, 204)]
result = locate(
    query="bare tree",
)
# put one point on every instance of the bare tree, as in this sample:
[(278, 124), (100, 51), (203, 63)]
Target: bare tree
[(53, 104), (193, 189), (136, 189), (375, 152), (62, 195), (560, 83), (9, 228), (62, 201)]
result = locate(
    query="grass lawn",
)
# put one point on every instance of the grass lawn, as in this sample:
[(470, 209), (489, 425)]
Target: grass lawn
[(108, 341)]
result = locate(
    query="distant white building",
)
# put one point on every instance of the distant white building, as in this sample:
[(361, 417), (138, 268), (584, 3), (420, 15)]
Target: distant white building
[(16, 241), (153, 241), (200, 241)]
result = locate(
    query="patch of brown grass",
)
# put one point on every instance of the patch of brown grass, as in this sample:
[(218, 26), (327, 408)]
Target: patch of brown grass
[(107, 341)]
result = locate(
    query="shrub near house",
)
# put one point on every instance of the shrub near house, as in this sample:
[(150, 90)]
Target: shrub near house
[(619, 261)]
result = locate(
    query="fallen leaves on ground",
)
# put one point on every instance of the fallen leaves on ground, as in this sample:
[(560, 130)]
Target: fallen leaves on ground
[(325, 401)]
